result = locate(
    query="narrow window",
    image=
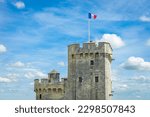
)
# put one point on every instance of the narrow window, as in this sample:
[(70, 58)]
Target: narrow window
[(96, 79), (73, 56), (40, 96), (91, 62), (80, 79), (96, 55)]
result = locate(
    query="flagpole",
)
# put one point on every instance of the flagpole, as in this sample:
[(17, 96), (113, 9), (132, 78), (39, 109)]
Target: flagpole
[(89, 30)]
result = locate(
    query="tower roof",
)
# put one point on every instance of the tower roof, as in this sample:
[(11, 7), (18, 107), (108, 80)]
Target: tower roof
[(53, 71)]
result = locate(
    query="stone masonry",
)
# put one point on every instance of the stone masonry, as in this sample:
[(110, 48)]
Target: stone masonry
[(89, 75)]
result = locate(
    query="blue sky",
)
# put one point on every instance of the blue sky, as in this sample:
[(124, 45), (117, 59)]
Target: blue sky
[(34, 36)]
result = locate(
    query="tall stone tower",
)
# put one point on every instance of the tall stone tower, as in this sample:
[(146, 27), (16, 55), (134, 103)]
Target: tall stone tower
[(89, 69)]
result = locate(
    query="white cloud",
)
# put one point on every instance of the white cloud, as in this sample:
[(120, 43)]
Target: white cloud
[(61, 63), (18, 64), (20, 5), (148, 42), (141, 78), (115, 40), (145, 19), (35, 74), (12, 76), (120, 87), (136, 63), (5, 80), (2, 48)]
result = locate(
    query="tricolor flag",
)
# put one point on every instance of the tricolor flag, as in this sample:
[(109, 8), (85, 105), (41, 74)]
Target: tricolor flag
[(90, 15)]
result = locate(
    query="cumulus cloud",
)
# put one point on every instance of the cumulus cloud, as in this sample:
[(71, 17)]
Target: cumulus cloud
[(61, 63), (5, 80), (115, 40), (145, 19), (2, 48), (136, 63), (18, 64), (19, 5), (35, 74), (148, 42)]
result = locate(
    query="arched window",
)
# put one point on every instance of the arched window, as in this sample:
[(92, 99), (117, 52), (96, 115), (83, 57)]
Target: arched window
[(91, 55), (39, 89), (49, 89), (59, 90), (44, 90), (86, 55), (54, 90)]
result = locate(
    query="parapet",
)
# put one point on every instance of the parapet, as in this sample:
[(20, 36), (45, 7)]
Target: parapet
[(63, 79), (36, 81), (103, 46), (44, 81)]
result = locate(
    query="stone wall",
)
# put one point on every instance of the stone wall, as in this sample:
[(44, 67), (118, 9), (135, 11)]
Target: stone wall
[(89, 71)]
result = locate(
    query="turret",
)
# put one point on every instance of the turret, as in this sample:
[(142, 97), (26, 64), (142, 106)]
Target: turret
[(53, 76)]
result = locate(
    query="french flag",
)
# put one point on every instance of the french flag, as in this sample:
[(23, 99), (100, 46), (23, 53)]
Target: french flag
[(90, 15)]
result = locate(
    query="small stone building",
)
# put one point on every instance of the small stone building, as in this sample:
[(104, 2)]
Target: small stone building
[(89, 75), (49, 88)]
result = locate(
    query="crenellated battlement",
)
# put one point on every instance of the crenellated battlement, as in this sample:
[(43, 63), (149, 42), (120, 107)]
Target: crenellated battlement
[(45, 81), (101, 47), (91, 45), (90, 50)]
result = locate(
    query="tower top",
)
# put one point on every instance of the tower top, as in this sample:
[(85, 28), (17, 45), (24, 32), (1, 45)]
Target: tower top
[(53, 71), (91, 45)]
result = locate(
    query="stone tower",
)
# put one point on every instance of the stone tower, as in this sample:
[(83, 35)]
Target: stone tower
[(89, 75), (89, 69)]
